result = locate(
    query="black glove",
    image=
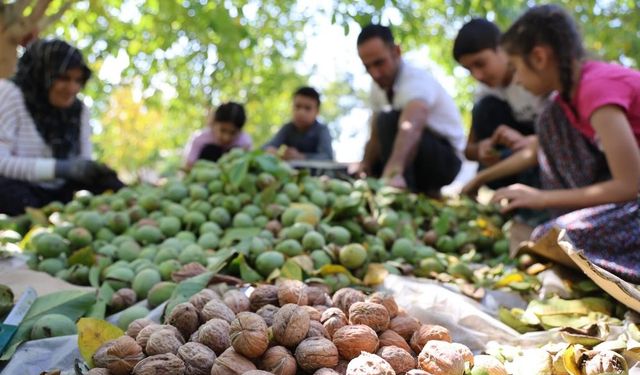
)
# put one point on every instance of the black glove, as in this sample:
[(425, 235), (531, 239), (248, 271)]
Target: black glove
[(81, 170)]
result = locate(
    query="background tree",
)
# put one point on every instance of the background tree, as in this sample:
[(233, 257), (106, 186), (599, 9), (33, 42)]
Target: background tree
[(180, 57), (20, 22)]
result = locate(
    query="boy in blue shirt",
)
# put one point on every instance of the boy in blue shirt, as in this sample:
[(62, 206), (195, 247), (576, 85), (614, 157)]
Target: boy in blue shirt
[(304, 137)]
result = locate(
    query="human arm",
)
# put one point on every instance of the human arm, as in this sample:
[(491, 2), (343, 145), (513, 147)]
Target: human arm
[(324, 151), (371, 148), (481, 151), (277, 140), (410, 126), (623, 158), (510, 138), (514, 164)]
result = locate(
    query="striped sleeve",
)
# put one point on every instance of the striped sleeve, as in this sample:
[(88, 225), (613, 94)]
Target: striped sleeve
[(86, 147), (11, 166)]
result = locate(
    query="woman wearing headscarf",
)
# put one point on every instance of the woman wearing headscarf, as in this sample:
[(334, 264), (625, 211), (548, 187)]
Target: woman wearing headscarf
[(45, 147)]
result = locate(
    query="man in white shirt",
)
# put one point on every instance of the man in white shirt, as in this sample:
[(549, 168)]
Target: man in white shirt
[(416, 139)]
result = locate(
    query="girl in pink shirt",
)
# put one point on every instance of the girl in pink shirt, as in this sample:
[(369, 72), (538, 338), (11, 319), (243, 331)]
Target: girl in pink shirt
[(224, 132), (588, 141)]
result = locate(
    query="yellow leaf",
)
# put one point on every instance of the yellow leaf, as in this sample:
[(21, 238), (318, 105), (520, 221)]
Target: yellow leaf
[(569, 361), (375, 274), (512, 278), (92, 333)]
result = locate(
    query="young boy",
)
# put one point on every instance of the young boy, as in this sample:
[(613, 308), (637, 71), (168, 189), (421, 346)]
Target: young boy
[(224, 132), (503, 115), (304, 137)]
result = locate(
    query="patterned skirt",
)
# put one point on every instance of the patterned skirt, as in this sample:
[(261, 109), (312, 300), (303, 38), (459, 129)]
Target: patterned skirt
[(608, 234)]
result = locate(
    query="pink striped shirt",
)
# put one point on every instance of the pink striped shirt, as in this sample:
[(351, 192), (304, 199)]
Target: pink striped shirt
[(204, 137), (24, 155)]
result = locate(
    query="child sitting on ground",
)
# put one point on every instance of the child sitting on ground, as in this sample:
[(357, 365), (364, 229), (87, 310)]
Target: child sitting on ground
[(304, 137), (224, 132)]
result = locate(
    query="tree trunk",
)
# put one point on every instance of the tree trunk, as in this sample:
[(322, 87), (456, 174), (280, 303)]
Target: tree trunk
[(8, 57)]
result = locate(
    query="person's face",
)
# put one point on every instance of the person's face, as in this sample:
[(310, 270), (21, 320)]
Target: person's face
[(380, 60), (305, 111), (65, 88), (225, 132), (537, 74), (489, 66)]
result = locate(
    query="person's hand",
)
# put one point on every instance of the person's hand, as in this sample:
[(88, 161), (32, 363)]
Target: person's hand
[(271, 150), (81, 170), (396, 181), (291, 153), (487, 155), (519, 196), (472, 187), (509, 138)]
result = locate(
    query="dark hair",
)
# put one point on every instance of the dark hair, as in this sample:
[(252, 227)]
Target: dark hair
[(231, 112), (376, 31), (550, 25), (475, 36), (308, 92)]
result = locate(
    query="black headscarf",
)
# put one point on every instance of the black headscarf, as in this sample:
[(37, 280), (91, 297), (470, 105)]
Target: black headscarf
[(41, 64)]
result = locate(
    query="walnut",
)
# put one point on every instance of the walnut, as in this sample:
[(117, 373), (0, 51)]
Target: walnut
[(236, 300), (369, 364), (319, 295), (417, 372), (326, 371), (371, 314), (98, 371), (489, 364), (188, 271), (122, 299), (257, 372), (201, 298), (313, 313), (465, 352), (316, 329), (146, 332), (345, 297), (248, 334), (428, 332), (398, 358), (185, 317), (405, 326), (290, 325), (215, 335), (392, 338), (341, 368), (217, 309), (351, 340), (198, 359), (231, 363), (119, 355), (316, 352), (137, 325), (333, 319), (441, 358), (321, 308), (387, 300), (163, 341), (263, 295), (279, 361), (292, 291), (267, 312), (162, 364)]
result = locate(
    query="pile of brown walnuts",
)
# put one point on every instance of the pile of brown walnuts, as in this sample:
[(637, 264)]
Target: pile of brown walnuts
[(284, 329)]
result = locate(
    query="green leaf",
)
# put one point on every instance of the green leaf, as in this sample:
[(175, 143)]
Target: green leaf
[(72, 303), (220, 260), (291, 270), (187, 288), (83, 256), (443, 224), (238, 234), (238, 171), (96, 271), (247, 273), (99, 309)]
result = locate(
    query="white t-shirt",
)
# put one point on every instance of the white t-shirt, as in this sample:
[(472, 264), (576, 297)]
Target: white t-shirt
[(413, 83), (525, 106), (24, 155)]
